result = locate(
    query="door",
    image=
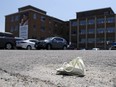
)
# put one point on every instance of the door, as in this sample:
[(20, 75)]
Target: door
[(54, 43), (59, 43)]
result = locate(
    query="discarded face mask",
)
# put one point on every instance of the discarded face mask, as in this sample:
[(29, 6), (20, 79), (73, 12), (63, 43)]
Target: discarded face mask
[(74, 67)]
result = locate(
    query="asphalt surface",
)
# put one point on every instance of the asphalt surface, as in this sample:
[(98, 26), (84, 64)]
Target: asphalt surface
[(37, 68)]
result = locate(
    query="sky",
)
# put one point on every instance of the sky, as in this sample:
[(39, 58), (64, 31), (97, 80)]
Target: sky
[(62, 9)]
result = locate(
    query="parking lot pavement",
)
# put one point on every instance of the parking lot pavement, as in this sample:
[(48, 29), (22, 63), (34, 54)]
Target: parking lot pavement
[(37, 68)]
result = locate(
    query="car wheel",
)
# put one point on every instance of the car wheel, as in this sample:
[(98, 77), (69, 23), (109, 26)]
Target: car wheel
[(29, 47), (8, 46), (64, 47), (48, 47)]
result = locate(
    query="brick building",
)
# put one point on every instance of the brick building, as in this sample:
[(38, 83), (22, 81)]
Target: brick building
[(90, 29), (31, 22), (93, 29)]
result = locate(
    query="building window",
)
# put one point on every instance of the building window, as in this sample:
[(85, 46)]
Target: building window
[(34, 27), (43, 18), (110, 30), (106, 13), (12, 29), (82, 31), (110, 39), (91, 31), (83, 22), (16, 28), (34, 16), (100, 20), (91, 40), (43, 27), (50, 22), (73, 32), (12, 18), (83, 40), (74, 23), (16, 17), (91, 21), (100, 30), (110, 20), (100, 40)]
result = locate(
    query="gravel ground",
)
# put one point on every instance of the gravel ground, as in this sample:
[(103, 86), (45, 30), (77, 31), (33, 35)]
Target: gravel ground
[(37, 68)]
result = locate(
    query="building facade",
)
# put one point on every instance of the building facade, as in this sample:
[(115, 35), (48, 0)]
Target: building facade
[(31, 22), (90, 29), (93, 29)]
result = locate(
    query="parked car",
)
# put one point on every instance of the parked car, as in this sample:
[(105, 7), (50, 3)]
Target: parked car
[(52, 43), (95, 49), (70, 46), (83, 49), (28, 44), (18, 41), (7, 40), (112, 48)]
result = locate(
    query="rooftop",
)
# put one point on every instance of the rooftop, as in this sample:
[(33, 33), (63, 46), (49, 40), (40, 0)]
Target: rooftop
[(31, 7), (103, 11)]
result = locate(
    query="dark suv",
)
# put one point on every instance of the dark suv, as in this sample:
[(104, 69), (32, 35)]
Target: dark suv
[(52, 43), (7, 40)]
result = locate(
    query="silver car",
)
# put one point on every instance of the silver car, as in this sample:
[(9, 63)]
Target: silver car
[(28, 44)]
